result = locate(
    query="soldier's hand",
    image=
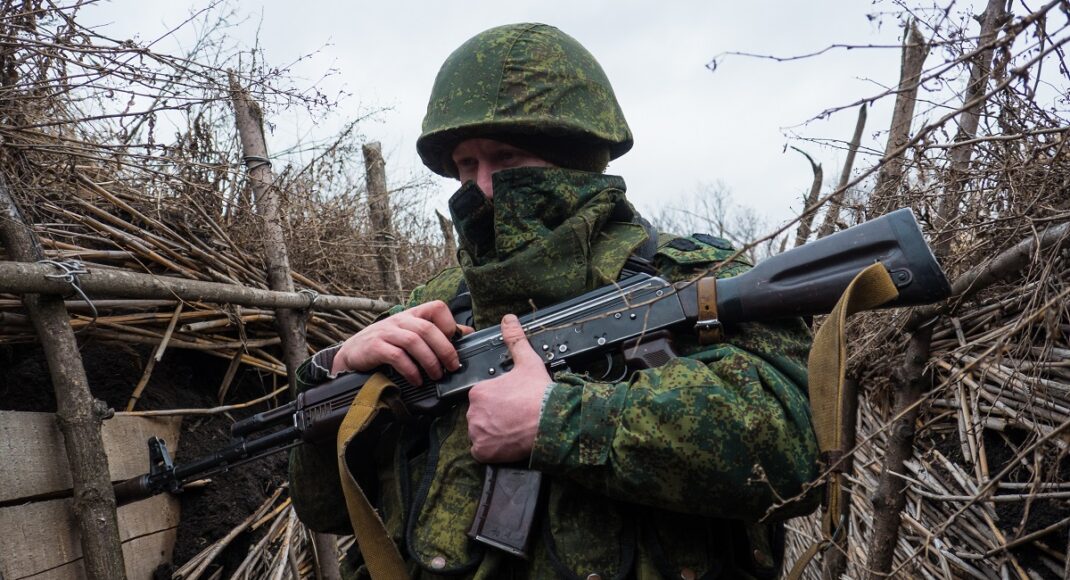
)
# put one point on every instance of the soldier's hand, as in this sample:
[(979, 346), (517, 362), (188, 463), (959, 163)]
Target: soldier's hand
[(417, 336), (503, 412)]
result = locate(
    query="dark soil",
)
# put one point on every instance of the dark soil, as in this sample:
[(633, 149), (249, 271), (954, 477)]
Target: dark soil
[(1042, 513), (183, 379)]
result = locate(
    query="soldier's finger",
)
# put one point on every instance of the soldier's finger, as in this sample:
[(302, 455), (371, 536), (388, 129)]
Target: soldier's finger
[(438, 313), (438, 342), (400, 361), (517, 342), (415, 347)]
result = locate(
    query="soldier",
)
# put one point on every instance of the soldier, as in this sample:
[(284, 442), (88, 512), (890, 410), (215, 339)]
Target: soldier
[(664, 474)]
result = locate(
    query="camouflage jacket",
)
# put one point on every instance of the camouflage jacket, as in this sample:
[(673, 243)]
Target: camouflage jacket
[(663, 475)]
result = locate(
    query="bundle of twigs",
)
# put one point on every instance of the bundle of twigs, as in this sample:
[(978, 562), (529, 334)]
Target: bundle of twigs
[(284, 551), (985, 490), (114, 227), (965, 405)]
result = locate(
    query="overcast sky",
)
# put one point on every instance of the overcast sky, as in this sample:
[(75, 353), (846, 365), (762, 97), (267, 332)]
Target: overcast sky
[(691, 125)]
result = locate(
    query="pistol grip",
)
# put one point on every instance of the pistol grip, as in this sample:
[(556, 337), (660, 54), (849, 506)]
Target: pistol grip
[(649, 350)]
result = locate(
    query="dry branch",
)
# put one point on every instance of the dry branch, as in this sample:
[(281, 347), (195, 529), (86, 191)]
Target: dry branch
[(210, 411), (810, 205), (155, 358), (989, 272), (19, 278)]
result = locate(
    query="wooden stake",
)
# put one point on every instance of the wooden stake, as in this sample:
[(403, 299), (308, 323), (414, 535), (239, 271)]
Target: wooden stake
[(78, 413), (382, 222), (289, 322), (832, 214), (915, 50)]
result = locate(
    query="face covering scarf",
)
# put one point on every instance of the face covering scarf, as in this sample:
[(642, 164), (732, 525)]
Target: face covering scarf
[(548, 235)]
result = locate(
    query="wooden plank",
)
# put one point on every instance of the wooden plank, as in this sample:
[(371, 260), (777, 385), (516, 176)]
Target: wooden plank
[(33, 444), (138, 555), (40, 540)]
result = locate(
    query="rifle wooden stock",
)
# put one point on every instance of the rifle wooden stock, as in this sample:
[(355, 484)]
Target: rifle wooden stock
[(808, 280)]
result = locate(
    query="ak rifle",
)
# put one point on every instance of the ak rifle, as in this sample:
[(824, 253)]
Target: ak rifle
[(633, 319)]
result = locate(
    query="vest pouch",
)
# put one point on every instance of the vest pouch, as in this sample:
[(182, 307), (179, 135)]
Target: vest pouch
[(585, 533), (685, 546), (445, 500), (766, 549), (696, 249)]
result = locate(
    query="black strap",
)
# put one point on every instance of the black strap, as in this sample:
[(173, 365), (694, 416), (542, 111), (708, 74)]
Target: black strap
[(461, 304), (642, 260)]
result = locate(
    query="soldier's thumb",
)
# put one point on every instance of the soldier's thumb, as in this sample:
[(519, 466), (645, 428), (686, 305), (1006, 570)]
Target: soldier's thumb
[(516, 341)]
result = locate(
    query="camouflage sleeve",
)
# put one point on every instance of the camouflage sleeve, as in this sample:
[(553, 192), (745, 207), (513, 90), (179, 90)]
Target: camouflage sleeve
[(315, 486), (687, 436), (724, 432), (316, 369)]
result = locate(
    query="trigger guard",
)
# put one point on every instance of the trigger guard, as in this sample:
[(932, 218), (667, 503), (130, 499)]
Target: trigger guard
[(609, 369)]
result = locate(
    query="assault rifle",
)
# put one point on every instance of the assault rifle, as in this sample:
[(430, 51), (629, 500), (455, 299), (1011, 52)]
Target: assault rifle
[(633, 319)]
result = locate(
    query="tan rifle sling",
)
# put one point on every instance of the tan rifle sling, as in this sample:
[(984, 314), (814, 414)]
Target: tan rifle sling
[(379, 551), (871, 288)]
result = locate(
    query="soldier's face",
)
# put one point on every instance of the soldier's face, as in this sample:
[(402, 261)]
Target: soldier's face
[(477, 159)]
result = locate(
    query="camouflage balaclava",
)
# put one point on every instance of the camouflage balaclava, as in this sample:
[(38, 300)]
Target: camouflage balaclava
[(549, 235), (529, 85)]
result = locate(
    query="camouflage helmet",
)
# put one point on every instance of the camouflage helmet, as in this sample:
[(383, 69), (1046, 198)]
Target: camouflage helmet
[(529, 84)]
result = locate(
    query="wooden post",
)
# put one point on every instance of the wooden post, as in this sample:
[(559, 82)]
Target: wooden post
[(915, 50), (806, 220), (911, 379), (79, 414), (382, 222), (958, 170), (290, 323), (446, 225), (832, 214)]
